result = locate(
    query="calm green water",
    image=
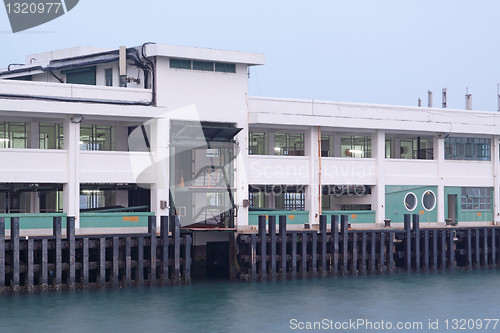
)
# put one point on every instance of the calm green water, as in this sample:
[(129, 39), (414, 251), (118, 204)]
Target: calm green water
[(264, 307)]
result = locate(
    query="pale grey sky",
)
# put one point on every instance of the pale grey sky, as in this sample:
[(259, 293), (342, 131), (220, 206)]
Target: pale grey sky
[(372, 51)]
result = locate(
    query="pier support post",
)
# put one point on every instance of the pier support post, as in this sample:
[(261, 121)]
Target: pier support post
[(334, 266), (14, 240), (324, 240), (253, 255), (70, 237), (30, 274), (416, 231), (344, 234), (102, 261), (293, 266), (263, 246), (115, 261), (175, 228), (187, 260), (272, 235), (363, 253), (128, 261), (45, 262), (85, 265), (165, 241), (152, 264), (58, 263), (407, 242), (2, 253), (282, 230)]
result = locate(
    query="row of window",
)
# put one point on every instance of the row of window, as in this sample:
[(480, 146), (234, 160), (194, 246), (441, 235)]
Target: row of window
[(92, 137), (207, 66), (471, 149)]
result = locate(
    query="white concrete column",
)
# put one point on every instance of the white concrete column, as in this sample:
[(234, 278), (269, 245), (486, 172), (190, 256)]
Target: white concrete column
[(337, 144), (438, 150), (241, 180), (397, 148), (496, 181), (120, 138), (160, 137), (34, 135), (378, 193), (270, 147), (71, 189), (34, 202), (313, 202)]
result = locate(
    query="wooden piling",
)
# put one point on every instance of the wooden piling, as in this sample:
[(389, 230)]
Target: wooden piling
[(2, 253), (407, 242), (272, 236), (293, 268), (45, 261), (354, 266), (70, 237), (152, 260), (416, 230), (334, 247), (303, 266), (102, 261), (324, 240), (30, 276), (165, 244), (14, 239), (140, 261), (363, 253), (128, 260), (263, 247), (345, 241), (85, 266), (175, 228), (282, 230), (115, 260)]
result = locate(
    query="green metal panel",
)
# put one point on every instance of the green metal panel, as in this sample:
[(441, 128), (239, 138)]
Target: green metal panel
[(394, 202), (354, 216), (34, 221), (81, 76), (114, 220), (463, 215), (292, 216)]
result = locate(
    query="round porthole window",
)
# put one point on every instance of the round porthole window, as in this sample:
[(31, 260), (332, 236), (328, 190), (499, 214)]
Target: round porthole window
[(429, 200), (410, 201)]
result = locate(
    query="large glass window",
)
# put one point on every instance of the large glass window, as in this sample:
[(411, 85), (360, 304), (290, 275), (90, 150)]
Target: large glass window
[(94, 137), (470, 149), (13, 134), (420, 148), (355, 146), (326, 150), (50, 136), (257, 143), (289, 144), (476, 198)]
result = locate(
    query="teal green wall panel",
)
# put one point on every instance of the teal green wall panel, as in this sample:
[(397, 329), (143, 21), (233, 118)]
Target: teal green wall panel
[(464, 215), (293, 216), (354, 216), (114, 220), (34, 221), (394, 202)]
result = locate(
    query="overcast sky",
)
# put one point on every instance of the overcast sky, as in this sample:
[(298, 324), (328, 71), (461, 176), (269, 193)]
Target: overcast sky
[(376, 51)]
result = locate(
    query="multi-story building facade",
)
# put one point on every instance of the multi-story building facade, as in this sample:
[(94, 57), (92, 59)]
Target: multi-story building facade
[(163, 129)]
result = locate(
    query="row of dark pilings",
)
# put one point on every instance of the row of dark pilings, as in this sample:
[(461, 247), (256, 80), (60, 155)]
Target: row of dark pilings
[(94, 261), (281, 254)]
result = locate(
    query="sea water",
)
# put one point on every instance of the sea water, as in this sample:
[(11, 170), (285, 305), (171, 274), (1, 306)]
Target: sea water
[(413, 302)]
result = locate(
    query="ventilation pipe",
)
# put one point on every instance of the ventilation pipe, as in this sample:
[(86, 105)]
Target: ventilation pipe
[(468, 100), (429, 98)]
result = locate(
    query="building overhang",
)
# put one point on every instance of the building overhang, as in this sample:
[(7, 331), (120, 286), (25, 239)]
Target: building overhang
[(198, 53)]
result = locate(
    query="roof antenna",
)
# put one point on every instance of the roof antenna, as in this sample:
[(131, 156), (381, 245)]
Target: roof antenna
[(420, 102), (498, 96), (444, 98)]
